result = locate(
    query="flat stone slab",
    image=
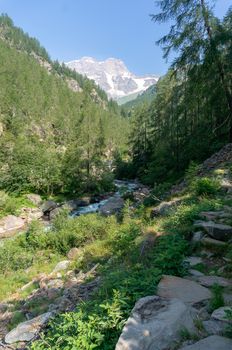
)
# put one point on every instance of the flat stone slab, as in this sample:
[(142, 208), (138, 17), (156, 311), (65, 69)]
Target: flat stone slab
[(9, 224), (213, 342), (220, 314), (212, 242), (193, 260), (26, 331), (217, 231), (187, 291), (212, 215), (209, 281), (195, 273), (155, 323)]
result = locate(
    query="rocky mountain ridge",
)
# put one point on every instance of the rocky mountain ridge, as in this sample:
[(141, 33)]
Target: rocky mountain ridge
[(112, 76)]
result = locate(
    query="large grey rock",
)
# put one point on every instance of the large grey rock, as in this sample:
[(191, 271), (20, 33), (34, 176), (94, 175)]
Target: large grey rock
[(220, 314), (48, 206), (155, 324), (27, 330), (112, 206), (183, 289), (209, 281), (9, 224), (164, 207), (216, 231), (213, 342), (34, 198), (214, 327), (61, 266)]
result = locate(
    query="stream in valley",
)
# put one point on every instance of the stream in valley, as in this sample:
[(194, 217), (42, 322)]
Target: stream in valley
[(122, 187)]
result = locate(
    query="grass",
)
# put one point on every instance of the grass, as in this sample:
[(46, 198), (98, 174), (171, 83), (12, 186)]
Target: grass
[(217, 299), (11, 205), (126, 273)]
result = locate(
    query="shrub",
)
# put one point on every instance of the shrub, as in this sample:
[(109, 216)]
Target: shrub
[(205, 186), (217, 299), (229, 327), (191, 172)]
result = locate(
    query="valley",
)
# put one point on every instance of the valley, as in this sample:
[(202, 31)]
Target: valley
[(116, 193)]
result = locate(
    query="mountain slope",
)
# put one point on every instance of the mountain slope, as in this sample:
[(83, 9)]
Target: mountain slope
[(112, 76), (53, 139), (146, 96)]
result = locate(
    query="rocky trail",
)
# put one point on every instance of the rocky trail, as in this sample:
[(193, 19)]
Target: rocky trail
[(181, 315), (179, 305)]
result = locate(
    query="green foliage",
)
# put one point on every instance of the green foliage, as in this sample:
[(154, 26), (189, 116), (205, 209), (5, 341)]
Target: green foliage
[(190, 115), (54, 139), (205, 186), (217, 299), (191, 172), (159, 192), (18, 317), (12, 204), (98, 323), (229, 327)]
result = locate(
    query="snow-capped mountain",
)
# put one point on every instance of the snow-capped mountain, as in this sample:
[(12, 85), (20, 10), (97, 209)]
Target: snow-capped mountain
[(112, 76)]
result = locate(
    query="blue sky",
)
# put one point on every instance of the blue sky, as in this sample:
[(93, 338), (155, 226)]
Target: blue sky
[(70, 29)]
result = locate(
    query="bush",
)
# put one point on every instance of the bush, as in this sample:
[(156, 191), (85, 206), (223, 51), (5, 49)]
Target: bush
[(205, 186), (217, 299), (159, 192), (191, 172)]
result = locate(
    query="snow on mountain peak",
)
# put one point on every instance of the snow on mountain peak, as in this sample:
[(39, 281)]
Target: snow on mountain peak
[(113, 76)]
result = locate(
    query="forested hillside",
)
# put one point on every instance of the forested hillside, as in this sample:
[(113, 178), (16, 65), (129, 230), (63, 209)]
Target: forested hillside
[(54, 138), (191, 114), (116, 223)]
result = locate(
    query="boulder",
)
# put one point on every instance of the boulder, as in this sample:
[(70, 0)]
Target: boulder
[(34, 198), (220, 314), (61, 266), (187, 291), (155, 323), (27, 330), (209, 281), (213, 342), (55, 212), (74, 253), (214, 327), (112, 206), (207, 241), (9, 224), (216, 231), (48, 206), (164, 207), (35, 214)]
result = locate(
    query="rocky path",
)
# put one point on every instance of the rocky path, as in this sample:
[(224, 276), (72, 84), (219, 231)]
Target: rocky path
[(184, 315), (60, 291)]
